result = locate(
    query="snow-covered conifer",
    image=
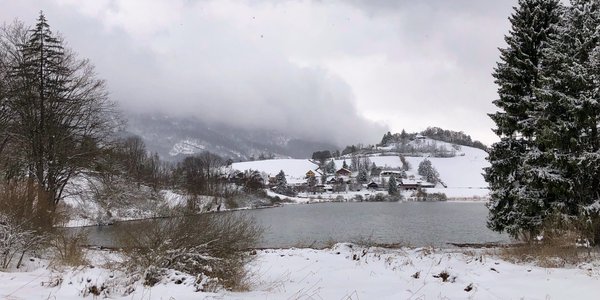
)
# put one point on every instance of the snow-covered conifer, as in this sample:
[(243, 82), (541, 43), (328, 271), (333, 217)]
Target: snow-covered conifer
[(514, 206)]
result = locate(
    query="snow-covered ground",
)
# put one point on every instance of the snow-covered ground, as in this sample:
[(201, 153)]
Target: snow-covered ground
[(343, 272)]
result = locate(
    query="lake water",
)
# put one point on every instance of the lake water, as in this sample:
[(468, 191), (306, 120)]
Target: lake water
[(409, 223)]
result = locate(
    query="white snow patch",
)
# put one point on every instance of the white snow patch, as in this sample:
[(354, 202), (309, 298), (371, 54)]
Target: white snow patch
[(187, 147)]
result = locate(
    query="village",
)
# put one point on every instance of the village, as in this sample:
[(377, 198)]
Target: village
[(423, 169), (344, 180)]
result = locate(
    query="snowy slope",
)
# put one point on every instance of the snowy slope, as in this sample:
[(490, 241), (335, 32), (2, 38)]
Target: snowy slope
[(461, 171)]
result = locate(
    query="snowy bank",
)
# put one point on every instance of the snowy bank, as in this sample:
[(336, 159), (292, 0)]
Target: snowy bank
[(345, 271)]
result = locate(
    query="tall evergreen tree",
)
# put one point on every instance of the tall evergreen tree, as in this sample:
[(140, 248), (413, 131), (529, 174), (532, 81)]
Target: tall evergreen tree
[(568, 143), (514, 205), (392, 186), (330, 167), (61, 117), (363, 175), (280, 180)]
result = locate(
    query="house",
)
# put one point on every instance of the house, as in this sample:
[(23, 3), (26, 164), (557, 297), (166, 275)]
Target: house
[(372, 186), (320, 188), (409, 185), (343, 172), (334, 180), (310, 173), (390, 173), (426, 184)]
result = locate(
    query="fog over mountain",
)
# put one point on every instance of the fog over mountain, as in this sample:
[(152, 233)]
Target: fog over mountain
[(339, 71), (174, 138)]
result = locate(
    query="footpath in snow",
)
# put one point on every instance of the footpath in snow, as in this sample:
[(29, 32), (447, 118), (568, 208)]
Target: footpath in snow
[(345, 271)]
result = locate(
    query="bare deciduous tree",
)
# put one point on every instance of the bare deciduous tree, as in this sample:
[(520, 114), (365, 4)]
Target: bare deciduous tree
[(59, 114)]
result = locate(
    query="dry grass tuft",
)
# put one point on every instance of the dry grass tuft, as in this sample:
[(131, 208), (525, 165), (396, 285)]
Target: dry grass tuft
[(558, 248)]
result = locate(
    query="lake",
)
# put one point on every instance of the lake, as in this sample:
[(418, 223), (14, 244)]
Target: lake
[(414, 224)]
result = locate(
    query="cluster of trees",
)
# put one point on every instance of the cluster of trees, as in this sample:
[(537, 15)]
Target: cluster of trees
[(455, 137), (358, 163), (396, 138), (427, 170), (262, 156), (402, 142), (547, 162), (202, 174), (251, 181), (282, 187), (321, 156), (128, 157), (55, 116)]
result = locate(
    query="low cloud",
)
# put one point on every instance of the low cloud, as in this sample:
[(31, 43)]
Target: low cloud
[(341, 71)]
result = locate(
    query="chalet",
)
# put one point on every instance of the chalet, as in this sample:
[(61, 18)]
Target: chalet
[(334, 180), (408, 185), (343, 172), (426, 184), (411, 184), (390, 173), (372, 185), (320, 188), (310, 173)]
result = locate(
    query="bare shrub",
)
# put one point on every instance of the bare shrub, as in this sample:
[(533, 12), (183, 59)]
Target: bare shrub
[(15, 241), (24, 218), (24, 203), (558, 245), (444, 275), (208, 246), (67, 247)]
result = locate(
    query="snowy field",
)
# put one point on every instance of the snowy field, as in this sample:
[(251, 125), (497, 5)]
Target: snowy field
[(459, 171), (343, 272)]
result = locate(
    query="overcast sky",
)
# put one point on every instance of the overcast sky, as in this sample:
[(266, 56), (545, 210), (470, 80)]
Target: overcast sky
[(340, 70)]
